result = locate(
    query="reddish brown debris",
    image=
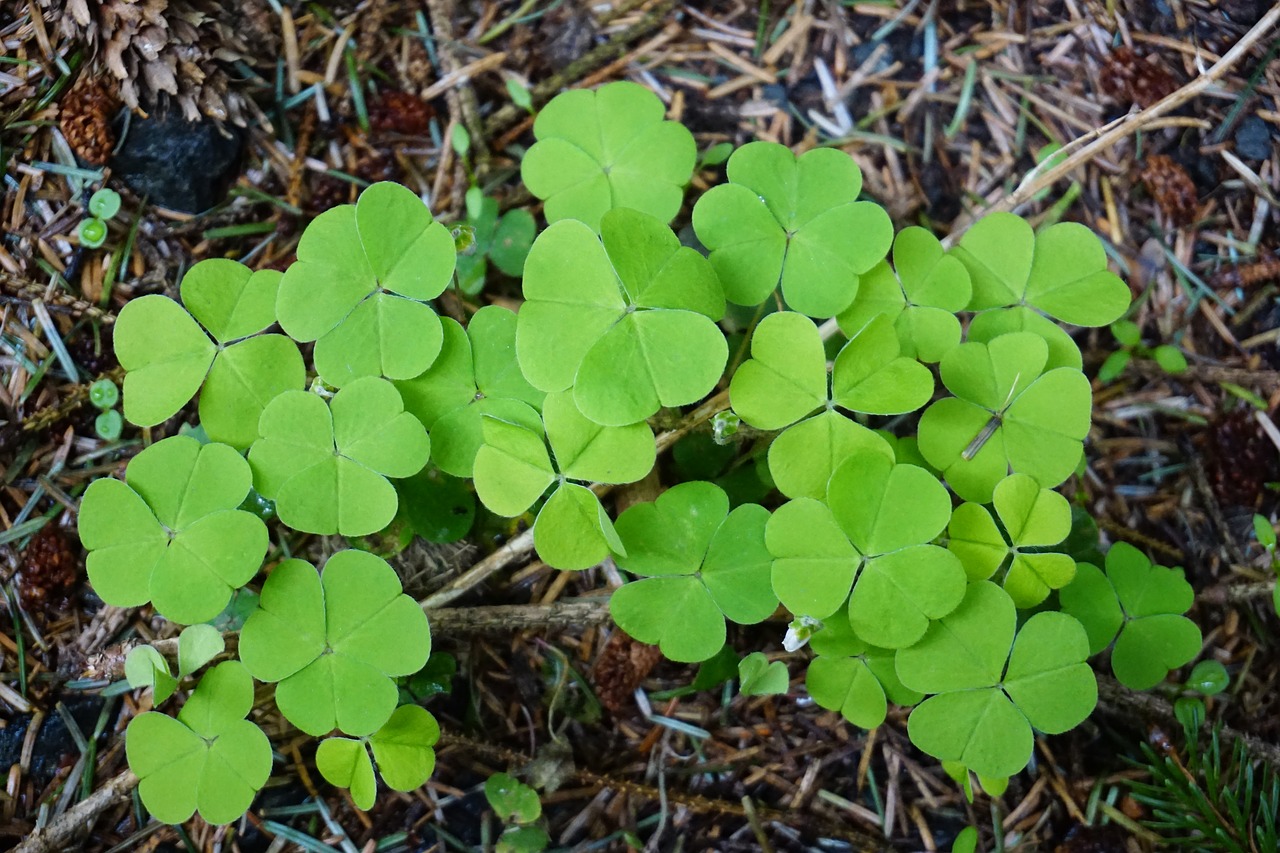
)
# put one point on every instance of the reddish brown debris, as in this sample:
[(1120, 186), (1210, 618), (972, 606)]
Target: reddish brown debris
[(622, 665), (1171, 187), (48, 572), (84, 117), (400, 112), (1240, 459), (1128, 78), (1265, 269)]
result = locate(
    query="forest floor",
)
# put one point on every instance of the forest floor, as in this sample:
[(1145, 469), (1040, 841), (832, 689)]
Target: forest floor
[(944, 104)]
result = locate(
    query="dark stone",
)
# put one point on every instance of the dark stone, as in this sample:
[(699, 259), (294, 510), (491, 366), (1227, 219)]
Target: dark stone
[(181, 165), (1253, 139), (54, 743)]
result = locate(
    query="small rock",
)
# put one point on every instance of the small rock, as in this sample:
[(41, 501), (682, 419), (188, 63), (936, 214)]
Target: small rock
[(181, 165), (1253, 139), (54, 743)]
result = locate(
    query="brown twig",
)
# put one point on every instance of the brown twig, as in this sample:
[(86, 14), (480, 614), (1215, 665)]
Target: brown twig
[(1083, 149), (64, 831)]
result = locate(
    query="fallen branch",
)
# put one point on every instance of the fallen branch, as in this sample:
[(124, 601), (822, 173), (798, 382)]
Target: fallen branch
[(65, 830)]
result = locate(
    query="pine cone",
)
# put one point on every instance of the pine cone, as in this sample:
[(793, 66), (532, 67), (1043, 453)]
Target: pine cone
[(84, 117), (1171, 187), (400, 112), (1127, 78), (622, 665), (168, 47), (47, 572), (1241, 459)]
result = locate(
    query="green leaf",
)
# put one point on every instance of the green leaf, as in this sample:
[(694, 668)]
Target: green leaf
[(197, 645), (345, 763), (1047, 677), (448, 384), (209, 759), (511, 799), (966, 649), (883, 507), (456, 438), (989, 325), (1035, 518), (1114, 365), (671, 535), (1069, 279), (229, 299), (1209, 677), (146, 667), (998, 252), (759, 677), (898, 594), (512, 468), (326, 466), (804, 457), (786, 377), (511, 241), (813, 563), (586, 451), (975, 539), (166, 357), (572, 530), (439, 507), (606, 149), (404, 747), (362, 274), (1127, 332), (811, 200), (675, 613), (982, 729), (1170, 359), (492, 331), (848, 686), (173, 535), (244, 378), (334, 641), (871, 377), (1092, 600)]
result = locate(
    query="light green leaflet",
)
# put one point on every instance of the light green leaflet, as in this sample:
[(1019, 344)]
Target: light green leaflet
[(403, 749), (876, 530), (702, 564), (326, 466), (360, 284), (794, 221), (210, 759), (1061, 271), (1144, 605), (1008, 412), (146, 667), (334, 640), (853, 678), (607, 149), (629, 323), (1033, 518), (513, 469), (993, 689), (786, 380), (476, 374), (758, 677), (920, 293), (171, 533), (169, 357)]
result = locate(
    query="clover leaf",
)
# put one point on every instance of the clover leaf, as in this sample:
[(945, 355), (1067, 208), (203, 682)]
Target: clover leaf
[(921, 293), (360, 284), (989, 325), (504, 240), (874, 530), (1061, 271), (629, 323), (403, 748), (197, 645), (854, 678), (795, 221), (146, 667), (513, 469), (476, 374), (702, 564), (169, 357), (1033, 519), (993, 689), (209, 759), (786, 379), (171, 533), (606, 149), (758, 677), (1008, 412), (334, 640), (1140, 606), (326, 466)]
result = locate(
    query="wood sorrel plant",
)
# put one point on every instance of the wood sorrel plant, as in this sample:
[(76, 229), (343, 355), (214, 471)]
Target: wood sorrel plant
[(909, 523)]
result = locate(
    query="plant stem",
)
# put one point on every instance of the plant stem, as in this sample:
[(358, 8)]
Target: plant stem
[(63, 831)]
